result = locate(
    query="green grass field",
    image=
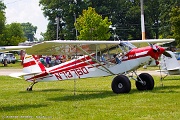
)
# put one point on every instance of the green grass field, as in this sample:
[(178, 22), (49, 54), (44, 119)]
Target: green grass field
[(93, 100), (17, 65)]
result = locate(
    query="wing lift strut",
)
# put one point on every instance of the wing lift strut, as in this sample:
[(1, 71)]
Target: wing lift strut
[(107, 70)]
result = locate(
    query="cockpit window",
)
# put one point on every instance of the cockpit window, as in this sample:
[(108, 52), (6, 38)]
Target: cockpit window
[(126, 46)]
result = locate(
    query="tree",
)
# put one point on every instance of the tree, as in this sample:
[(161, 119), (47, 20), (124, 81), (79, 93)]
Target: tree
[(2, 22), (91, 26), (175, 21), (29, 31), (2, 16), (67, 11), (14, 34), (124, 15)]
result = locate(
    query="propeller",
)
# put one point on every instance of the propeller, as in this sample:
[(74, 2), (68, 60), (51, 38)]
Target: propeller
[(157, 49), (167, 54)]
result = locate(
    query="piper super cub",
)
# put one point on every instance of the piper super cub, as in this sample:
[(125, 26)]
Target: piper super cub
[(95, 59)]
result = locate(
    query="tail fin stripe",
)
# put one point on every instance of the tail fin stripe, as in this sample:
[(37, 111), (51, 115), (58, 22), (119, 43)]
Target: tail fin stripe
[(29, 64), (41, 66)]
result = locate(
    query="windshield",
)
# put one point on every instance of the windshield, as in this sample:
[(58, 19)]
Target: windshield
[(126, 46), (9, 55)]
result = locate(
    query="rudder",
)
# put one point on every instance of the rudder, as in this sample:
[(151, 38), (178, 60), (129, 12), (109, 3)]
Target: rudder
[(32, 65)]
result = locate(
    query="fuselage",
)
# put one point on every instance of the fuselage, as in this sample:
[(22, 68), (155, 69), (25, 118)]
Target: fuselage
[(85, 66)]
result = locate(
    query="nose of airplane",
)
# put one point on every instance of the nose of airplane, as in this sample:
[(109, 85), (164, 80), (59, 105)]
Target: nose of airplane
[(156, 52), (161, 50)]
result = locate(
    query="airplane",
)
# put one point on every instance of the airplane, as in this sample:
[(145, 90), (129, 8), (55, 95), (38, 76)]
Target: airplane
[(90, 62), (169, 64)]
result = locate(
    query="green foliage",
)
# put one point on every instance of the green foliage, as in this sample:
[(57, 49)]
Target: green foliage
[(2, 19), (2, 6), (14, 34), (67, 10), (124, 15), (2, 22), (29, 30), (91, 26), (175, 21)]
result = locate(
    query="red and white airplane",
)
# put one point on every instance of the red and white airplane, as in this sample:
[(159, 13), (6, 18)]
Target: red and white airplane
[(90, 62)]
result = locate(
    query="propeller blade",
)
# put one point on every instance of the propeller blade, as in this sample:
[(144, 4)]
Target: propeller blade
[(167, 54)]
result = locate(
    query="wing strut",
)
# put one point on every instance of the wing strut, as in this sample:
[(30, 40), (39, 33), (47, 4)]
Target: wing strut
[(96, 60)]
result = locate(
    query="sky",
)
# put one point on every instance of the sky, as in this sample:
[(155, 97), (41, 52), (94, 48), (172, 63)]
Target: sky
[(23, 11)]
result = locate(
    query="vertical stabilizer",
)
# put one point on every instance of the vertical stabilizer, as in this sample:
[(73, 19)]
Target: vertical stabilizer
[(32, 65)]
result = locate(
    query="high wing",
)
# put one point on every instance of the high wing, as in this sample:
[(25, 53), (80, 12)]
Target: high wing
[(9, 48), (70, 47)]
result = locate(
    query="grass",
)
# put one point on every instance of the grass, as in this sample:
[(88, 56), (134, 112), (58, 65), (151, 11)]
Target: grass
[(17, 65), (93, 100)]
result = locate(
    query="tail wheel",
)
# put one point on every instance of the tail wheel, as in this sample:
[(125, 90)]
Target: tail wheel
[(148, 82), (121, 84)]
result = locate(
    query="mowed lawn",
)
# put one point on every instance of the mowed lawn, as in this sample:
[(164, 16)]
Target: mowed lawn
[(88, 99)]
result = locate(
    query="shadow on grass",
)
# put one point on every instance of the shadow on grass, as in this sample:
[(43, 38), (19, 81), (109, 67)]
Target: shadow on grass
[(85, 95), (45, 90), (20, 107), (169, 77), (167, 89)]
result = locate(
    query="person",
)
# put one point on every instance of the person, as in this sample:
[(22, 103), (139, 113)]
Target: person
[(103, 58), (42, 61), (48, 61), (53, 60), (117, 60), (57, 61)]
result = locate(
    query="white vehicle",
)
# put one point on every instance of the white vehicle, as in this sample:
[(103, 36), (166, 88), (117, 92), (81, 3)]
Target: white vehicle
[(10, 58), (3, 59), (7, 57)]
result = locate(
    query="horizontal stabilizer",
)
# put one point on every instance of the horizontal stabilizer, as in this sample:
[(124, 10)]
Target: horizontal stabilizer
[(20, 74), (174, 69)]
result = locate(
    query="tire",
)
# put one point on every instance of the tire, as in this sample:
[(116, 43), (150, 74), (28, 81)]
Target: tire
[(148, 82), (121, 84)]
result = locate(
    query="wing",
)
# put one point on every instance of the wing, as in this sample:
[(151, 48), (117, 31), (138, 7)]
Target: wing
[(10, 48), (151, 41), (70, 47)]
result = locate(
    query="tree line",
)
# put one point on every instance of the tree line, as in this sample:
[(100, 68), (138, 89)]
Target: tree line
[(125, 16), (162, 20), (14, 33)]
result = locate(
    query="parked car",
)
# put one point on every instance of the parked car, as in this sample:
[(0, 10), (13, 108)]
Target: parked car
[(3, 59), (10, 58), (7, 57)]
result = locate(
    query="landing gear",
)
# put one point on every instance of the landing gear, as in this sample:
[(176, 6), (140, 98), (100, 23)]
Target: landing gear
[(145, 82), (30, 87), (121, 84)]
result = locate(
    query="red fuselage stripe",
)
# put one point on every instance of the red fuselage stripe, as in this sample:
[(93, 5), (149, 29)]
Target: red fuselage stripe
[(73, 63), (30, 63)]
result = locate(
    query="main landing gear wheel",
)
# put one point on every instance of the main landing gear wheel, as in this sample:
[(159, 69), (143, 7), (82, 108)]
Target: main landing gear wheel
[(121, 84), (146, 82)]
